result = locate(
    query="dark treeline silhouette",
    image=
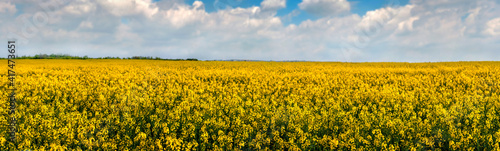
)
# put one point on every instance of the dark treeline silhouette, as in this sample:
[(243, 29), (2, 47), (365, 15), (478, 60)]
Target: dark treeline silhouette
[(67, 56)]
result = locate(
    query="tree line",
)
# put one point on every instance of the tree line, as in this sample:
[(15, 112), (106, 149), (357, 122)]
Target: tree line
[(67, 56)]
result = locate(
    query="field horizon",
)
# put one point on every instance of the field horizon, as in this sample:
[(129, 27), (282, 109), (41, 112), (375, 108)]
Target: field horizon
[(245, 60)]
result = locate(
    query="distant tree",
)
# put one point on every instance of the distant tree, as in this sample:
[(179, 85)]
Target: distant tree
[(67, 56)]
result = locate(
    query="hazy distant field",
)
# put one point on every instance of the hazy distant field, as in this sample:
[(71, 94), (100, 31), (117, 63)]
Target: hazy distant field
[(172, 105)]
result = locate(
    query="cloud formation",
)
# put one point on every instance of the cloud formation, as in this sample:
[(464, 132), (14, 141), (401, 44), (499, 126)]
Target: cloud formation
[(7, 7), (273, 4), (493, 27), (423, 30), (325, 7)]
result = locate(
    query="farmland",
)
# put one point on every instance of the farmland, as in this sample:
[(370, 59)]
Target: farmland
[(210, 105)]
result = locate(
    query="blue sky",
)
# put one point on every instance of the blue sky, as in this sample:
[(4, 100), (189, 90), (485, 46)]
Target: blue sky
[(315, 30), (359, 7)]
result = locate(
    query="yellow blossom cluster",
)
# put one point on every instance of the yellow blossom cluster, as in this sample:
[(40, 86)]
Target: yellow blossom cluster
[(211, 105)]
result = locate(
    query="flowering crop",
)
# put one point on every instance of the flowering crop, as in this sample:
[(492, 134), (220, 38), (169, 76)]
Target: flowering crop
[(167, 105)]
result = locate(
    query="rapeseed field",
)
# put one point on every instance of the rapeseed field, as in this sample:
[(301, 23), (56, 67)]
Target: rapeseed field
[(209, 105)]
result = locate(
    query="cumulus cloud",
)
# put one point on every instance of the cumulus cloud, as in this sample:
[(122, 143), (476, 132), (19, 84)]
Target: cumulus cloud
[(79, 8), (183, 15), (86, 24), (7, 7), (325, 7), (442, 30), (493, 27), (273, 4)]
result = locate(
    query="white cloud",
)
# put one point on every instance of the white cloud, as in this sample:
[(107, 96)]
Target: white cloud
[(198, 5), (325, 7), (86, 24), (407, 26), (79, 8), (183, 14), (7, 7), (493, 27), (130, 7), (124, 35), (273, 4), (443, 3)]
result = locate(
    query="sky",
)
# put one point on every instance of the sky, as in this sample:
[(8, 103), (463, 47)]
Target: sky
[(279, 30)]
